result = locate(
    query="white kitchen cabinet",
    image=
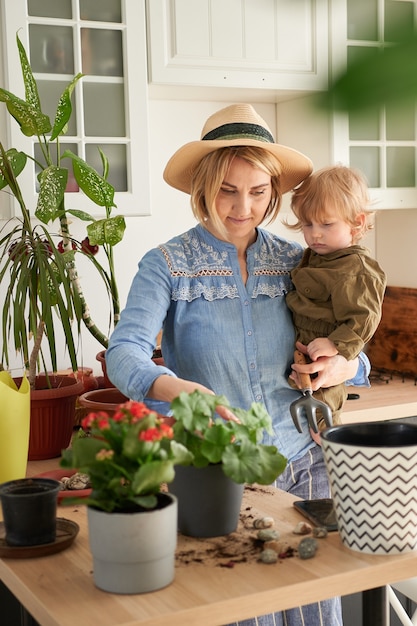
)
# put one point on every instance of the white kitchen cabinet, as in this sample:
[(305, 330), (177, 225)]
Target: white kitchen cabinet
[(277, 45), (106, 41), (382, 141)]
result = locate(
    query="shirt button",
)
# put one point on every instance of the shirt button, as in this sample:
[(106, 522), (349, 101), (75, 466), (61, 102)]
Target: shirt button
[(246, 302), (258, 398), (249, 332), (252, 366)]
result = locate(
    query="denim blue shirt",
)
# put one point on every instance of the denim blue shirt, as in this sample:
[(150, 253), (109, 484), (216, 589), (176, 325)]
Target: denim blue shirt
[(235, 339)]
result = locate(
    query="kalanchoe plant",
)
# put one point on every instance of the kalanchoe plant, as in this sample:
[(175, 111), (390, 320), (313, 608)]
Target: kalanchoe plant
[(127, 456), (236, 445), (38, 264)]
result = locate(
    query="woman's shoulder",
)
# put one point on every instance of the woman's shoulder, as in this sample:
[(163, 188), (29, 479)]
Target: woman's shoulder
[(195, 252), (274, 246)]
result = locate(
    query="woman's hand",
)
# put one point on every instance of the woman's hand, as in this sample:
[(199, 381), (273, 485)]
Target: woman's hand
[(166, 388), (329, 371)]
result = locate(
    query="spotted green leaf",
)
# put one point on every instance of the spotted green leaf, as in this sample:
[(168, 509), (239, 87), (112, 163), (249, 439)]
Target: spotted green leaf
[(53, 181), (110, 230)]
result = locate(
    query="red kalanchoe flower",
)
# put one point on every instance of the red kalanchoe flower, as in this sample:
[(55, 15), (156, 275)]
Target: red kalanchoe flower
[(93, 419), (167, 431), (150, 434)]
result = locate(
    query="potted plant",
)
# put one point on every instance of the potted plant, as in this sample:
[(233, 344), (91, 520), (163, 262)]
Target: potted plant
[(38, 272), (224, 456), (132, 523)]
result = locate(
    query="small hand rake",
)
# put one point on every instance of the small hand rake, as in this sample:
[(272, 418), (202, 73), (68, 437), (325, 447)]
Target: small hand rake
[(308, 405)]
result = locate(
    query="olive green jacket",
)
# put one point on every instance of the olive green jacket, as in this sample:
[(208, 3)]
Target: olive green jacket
[(339, 296)]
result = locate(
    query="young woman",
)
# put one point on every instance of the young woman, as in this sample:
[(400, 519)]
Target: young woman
[(218, 291)]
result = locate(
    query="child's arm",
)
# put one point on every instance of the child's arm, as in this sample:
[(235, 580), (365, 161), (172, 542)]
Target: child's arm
[(321, 346)]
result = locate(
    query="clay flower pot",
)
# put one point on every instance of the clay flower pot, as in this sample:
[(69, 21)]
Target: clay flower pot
[(107, 399), (52, 415)]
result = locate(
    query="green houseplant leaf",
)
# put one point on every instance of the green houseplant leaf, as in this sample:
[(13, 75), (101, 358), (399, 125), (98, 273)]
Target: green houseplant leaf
[(236, 445), (39, 271)]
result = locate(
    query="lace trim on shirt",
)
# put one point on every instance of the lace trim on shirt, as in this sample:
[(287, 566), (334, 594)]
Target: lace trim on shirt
[(201, 265), (209, 292)]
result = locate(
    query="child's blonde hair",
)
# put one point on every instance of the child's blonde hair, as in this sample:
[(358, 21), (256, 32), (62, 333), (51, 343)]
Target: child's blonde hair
[(336, 190)]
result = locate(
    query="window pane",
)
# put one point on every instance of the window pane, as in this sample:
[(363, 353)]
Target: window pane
[(400, 122), (50, 8), (364, 124), (103, 11), (50, 93), (399, 19), (51, 49), (116, 155), (357, 53), (367, 160), (401, 167), (362, 19), (108, 119), (102, 53)]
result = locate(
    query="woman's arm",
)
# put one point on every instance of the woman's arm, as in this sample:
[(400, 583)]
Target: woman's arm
[(166, 388)]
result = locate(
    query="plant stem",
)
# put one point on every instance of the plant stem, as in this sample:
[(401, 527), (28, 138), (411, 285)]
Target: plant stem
[(77, 287), (35, 353)]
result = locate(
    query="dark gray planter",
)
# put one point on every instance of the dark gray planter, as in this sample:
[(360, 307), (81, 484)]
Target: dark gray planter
[(29, 510), (208, 501)]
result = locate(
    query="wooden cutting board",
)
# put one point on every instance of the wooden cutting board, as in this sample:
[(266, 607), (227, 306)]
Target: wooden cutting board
[(394, 345)]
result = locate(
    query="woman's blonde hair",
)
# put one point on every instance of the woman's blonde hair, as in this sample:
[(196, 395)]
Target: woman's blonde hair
[(333, 191), (211, 172)]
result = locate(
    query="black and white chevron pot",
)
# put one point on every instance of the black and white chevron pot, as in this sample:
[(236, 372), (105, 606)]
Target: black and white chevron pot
[(372, 468)]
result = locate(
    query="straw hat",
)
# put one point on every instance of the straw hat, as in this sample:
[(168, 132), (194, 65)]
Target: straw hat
[(236, 125)]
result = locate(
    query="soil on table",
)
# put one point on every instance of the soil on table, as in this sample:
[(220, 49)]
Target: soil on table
[(241, 546)]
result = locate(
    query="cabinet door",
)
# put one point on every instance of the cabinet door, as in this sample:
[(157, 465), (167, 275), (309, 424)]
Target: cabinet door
[(381, 141), (267, 44), (106, 41)]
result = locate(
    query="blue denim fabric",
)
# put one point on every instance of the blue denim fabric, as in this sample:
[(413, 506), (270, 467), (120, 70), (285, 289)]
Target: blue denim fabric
[(236, 339)]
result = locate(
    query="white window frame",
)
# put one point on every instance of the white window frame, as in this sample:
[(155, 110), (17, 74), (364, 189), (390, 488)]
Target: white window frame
[(135, 201)]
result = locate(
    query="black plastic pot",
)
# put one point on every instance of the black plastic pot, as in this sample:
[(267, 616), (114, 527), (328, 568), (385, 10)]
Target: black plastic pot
[(29, 510), (208, 501)]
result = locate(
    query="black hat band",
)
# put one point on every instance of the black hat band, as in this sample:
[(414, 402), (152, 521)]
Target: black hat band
[(239, 130)]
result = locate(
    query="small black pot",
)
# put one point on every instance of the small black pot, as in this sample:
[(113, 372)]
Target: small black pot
[(209, 502), (29, 510)]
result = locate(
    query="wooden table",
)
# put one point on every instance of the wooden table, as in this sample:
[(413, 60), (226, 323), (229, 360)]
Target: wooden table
[(58, 590)]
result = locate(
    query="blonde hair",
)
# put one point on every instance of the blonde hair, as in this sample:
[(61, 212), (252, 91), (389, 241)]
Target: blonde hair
[(211, 172), (333, 191)]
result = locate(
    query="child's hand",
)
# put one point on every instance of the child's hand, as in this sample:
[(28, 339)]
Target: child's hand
[(321, 347)]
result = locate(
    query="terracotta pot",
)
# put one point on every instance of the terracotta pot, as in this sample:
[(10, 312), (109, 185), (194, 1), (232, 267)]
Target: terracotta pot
[(52, 415), (157, 358), (101, 358), (102, 399)]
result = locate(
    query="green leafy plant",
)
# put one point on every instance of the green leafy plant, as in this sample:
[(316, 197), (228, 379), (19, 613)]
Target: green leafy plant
[(236, 445), (38, 265), (127, 456)]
